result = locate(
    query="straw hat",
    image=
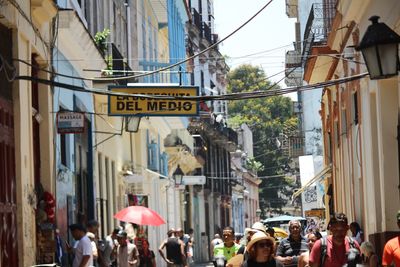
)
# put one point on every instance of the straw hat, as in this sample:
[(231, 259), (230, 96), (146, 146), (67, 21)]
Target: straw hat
[(258, 237), (256, 227)]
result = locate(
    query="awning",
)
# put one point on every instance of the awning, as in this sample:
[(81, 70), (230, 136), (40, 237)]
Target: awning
[(316, 178)]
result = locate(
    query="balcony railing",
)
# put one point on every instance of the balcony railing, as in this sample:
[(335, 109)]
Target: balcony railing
[(206, 32), (119, 65), (196, 19), (318, 26), (292, 59)]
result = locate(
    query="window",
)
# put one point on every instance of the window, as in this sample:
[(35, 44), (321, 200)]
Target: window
[(63, 148)]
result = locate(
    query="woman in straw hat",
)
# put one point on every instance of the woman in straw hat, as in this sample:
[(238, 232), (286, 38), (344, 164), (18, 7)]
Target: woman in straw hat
[(260, 250)]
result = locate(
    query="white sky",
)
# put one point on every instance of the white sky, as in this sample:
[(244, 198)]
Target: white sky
[(271, 29)]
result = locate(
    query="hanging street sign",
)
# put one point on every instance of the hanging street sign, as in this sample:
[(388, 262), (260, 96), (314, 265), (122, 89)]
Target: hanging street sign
[(70, 122), (142, 106), (194, 180)]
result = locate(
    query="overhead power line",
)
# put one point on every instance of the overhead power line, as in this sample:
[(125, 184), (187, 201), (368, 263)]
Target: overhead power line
[(189, 58), (233, 96)]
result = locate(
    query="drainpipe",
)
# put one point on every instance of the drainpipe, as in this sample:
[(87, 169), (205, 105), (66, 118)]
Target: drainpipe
[(128, 33)]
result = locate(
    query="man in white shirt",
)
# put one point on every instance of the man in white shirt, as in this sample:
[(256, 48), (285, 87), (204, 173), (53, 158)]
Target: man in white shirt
[(83, 251), (127, 253)]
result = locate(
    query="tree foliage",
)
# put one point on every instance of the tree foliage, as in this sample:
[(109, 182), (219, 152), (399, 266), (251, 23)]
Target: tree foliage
[(269, 118)]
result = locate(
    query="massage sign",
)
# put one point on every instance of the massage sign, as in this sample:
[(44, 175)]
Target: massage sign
[(137, 104)]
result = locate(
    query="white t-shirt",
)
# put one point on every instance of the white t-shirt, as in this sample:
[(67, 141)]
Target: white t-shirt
[(83, 248)]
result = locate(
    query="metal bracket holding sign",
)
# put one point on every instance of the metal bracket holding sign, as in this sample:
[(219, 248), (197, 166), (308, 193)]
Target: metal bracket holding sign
[(69, 122), (136, 105)]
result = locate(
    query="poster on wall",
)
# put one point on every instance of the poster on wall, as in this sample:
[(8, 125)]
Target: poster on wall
[(140, 230)]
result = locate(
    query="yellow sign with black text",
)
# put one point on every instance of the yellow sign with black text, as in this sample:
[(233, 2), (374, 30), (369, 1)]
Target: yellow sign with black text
[(136, 105)]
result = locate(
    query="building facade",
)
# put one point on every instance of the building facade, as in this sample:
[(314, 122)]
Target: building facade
[(360, 121)]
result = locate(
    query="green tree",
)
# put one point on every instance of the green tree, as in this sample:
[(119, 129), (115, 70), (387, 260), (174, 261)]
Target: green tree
[(269, 118)]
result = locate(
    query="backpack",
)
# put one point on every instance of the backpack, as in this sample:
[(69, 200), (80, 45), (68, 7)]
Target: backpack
[(357, 258)]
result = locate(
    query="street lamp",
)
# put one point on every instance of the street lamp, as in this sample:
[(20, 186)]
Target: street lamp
[(132, 124), (379, 47), (178, 175)]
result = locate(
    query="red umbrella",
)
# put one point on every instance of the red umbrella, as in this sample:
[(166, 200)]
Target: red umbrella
[(139, 215)]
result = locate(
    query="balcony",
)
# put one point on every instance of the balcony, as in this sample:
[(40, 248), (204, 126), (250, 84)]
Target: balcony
[(318, 26), (294, 77), (293, 69), (207, 126), (206, 36), (292, 59), (315, 40), (196, 26), (296, 146), (291, 8), (119, 64)]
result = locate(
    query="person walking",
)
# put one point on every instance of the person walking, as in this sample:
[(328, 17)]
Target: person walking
[(356, 232), (110, 251), (260, 251), (189, 243), (248, 233), (336, 249), (175, 250), (83, 256), (146, 256), (304, 258), (93, 227), (369, 258), (217, 240), (127, 253), (291, 247), (228, 248), (391, 251)]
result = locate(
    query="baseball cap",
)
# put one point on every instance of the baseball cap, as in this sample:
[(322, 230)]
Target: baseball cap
[(122, 234), (338, 218)]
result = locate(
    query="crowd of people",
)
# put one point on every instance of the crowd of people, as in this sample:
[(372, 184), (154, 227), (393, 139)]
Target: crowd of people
[(117, 250), (259, 248)]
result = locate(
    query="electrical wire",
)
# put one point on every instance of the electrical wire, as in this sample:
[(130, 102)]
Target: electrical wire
[(191, 57), (232, 96), (338, 56)]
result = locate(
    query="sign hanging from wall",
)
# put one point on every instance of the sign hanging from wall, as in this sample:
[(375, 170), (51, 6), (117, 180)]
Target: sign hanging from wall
[(70, 122), (142, 106)]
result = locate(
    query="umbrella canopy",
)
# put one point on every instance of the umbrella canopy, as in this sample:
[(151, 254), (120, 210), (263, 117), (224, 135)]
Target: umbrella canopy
[(139, 215), (279, 232)]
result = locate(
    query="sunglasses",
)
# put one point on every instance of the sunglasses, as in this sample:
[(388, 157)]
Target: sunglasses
[(264, 245)]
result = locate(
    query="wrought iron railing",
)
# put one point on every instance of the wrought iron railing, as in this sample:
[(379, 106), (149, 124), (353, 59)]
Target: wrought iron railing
[(196, 19), (207, 32), (318, 26)]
